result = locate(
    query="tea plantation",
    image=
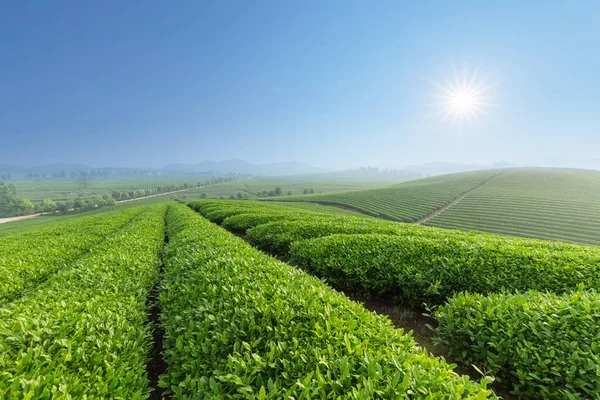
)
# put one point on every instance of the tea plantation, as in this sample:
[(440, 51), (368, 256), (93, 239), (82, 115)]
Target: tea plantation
[(542, 203), (159, 301)]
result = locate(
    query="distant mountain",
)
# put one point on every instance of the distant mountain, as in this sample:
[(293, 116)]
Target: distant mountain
[(442, 167), (245, 167)]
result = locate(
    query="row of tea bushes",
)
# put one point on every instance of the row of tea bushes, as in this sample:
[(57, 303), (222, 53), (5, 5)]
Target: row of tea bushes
[(240, 324), (543, 345), (28, 258), (82, 333), (422, 269)]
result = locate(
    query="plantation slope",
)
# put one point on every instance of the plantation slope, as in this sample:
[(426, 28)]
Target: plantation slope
[(409, 201), (556, 204)]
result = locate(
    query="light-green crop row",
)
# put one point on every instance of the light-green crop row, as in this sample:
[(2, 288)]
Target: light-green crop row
[(240, 324), (421, 268), (30, 257), (82, 334)]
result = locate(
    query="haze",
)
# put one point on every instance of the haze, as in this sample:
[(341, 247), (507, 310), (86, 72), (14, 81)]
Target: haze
[(334, 84)]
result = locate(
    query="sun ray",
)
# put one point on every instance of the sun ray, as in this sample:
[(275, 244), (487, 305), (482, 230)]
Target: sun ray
[(465, 96)]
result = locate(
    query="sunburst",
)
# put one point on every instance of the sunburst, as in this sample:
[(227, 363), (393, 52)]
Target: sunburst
[(464, 98)]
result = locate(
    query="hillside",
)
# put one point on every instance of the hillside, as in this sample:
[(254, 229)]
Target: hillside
[(408, 201), (559, 204), (545, 203)]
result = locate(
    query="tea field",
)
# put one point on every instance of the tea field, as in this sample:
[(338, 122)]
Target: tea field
[(159, 301), (543, 203)]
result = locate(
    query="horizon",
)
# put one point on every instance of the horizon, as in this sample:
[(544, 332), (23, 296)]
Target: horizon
[(336, 86)]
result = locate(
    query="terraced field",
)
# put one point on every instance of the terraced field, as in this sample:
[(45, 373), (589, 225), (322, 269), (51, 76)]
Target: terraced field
[(552, 204), (409, 201), (541, 203)]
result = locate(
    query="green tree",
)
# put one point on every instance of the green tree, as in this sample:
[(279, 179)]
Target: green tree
[(311, 191), (305, 191), (278, 191), (8, 200), (49, 205), (62, 206), (203, 196), (240, 195), (290, 192), (108, 200), (79, 204), (26, 207)]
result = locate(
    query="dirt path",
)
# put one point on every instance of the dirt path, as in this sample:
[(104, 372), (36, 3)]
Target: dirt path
[(5, 220), (453, 202), (176, 191)]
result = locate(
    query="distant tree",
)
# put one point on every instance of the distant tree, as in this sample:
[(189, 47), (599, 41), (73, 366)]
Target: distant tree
[(26, 207), (272, 193), (278, 191), (290, 192), (232, 197), (79, 204), (109, 200), (49, 205), (246, 196), (203, 196), (240, 195), (8, 199), (116, 195), (305, 191), (131, 194), (63, 206), (147, 192), (311, 190), (125, 196), (89, 205), (221, 198), (265, 193)]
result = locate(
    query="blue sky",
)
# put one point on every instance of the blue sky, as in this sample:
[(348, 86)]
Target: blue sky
[(336, 84)]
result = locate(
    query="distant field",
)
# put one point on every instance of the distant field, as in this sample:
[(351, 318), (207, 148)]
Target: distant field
[(544, 203), (251, 187), (64, 189), (540, 203), (408, 201)]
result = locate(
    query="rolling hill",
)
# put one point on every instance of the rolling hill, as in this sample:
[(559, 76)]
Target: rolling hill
[(544, 203)]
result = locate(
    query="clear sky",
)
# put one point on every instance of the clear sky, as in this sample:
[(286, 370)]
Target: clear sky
[(332, 83)]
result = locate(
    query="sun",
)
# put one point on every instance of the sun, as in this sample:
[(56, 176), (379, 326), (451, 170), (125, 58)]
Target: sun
[(465, 98)]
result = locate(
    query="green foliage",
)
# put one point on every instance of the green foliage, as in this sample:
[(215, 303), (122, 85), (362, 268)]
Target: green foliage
[(26, 207), (277, 237), (544, 345), (49, 205), (8, 200), (245, 221), (28, 258), (422, 267), (240, 324), (82, 333)]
